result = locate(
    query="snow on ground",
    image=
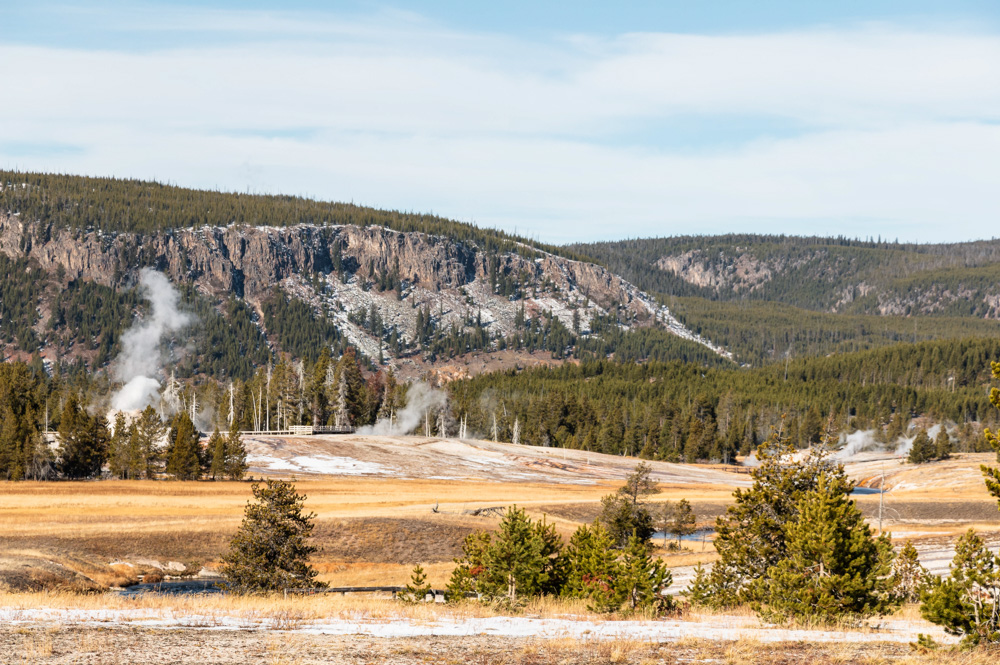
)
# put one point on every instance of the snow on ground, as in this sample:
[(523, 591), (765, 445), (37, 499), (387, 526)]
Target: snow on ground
[(318, 464), (426, 457), (719, 628)]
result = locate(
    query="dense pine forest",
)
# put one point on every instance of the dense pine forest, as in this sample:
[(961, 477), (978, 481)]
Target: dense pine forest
[(659, 410), (768, 297), (676, 411)]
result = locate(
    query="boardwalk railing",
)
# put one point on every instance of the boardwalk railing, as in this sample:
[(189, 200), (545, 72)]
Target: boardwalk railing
[(301, 430)]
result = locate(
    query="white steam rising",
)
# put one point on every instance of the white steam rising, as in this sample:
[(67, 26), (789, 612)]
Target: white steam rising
[(420, 398), (906, 444), (140, 362), (857, 442), (865, 441)]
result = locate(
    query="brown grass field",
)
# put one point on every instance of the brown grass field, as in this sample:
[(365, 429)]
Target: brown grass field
[(68, 537)]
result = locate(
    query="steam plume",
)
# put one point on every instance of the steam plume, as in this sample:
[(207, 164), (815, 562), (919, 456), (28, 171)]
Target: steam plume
[(140, 362), (419, 398)]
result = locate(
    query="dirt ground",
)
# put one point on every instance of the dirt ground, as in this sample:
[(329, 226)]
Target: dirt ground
[(102, 646)]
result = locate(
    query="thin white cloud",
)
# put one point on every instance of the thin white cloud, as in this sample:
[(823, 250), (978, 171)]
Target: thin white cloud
[(893, 129)]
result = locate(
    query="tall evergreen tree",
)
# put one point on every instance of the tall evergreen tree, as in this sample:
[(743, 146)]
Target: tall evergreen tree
[(124, 455), (270, 551), (236, 454), (592, 568), (215, 451), (641, 579), (967, 601), (834, 568), (149, 432), (184, 451), (922, 450), (83, 441), (751, 536), (909, 577)]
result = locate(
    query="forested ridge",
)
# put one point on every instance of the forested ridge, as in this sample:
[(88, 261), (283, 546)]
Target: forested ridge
[(767, 297), (125, 205), (807, 272), (678, 411)]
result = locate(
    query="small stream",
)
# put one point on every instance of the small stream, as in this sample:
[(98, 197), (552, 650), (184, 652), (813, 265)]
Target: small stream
[(705, 533), (176, 587)]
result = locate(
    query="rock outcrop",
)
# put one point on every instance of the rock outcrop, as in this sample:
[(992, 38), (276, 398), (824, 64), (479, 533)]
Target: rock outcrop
[(249, 261)]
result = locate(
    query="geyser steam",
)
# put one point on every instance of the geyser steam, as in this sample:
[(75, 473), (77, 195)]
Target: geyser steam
[(419, 399), (139, 363)]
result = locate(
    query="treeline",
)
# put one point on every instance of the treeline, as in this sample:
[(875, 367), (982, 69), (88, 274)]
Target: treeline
[(807, 272), (80, 442), (675, 411), (761, 332), (124, 205)]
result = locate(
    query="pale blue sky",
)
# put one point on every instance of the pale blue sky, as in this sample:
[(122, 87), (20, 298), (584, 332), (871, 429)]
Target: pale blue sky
[(564, 121)]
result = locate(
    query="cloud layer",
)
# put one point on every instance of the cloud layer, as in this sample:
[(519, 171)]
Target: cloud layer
[(862, 130)]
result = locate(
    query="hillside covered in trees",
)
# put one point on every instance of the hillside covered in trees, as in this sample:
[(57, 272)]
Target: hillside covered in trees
[(271, 275), (683, 412), (766, 297)]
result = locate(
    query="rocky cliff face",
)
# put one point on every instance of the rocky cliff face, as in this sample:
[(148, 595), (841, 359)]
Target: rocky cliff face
[(248, 262)]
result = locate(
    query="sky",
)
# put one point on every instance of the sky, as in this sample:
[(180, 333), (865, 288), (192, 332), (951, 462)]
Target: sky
[(562, 121)]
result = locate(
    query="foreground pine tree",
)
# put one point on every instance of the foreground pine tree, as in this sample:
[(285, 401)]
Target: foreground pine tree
[(751, 536), (834, 568), (270, 552), (592, 568), (967, 602), (642, 579), (909, 577)]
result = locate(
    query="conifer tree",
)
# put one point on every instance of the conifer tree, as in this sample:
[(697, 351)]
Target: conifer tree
[(626, 511), (148, 432), (909, 577), (469, 567), (236, 454), (417, 590), (215, 451), (942, 444), (83, 441), (125, 458), (922, 450), (183, 452), (270, 551), (592, 568), (118, 448), (967, 602), (751, 536), (833, 567), (677, 519), (514, 560), (641, 579)]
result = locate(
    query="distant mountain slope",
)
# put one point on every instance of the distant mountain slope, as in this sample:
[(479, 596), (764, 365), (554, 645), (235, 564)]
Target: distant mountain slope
[(113, 205), (410, 298), (765, 297), (822, 274)]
